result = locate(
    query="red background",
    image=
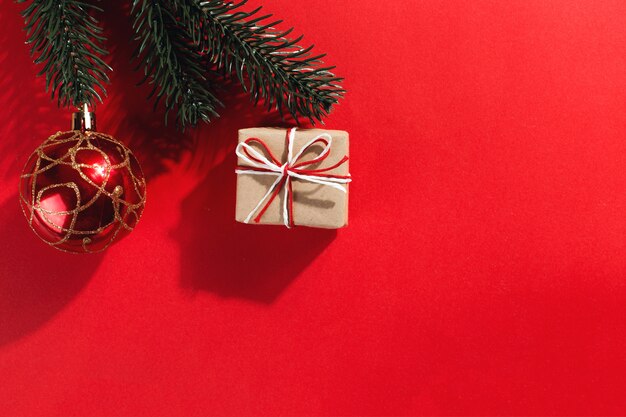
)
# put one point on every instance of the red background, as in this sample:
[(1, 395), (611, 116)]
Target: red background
[(482, 271)]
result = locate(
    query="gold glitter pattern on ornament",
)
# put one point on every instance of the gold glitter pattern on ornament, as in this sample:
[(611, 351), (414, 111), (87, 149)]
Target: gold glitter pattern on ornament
[(66, 151)]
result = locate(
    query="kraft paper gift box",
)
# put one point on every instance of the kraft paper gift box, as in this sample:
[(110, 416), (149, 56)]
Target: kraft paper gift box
[(271, 190)]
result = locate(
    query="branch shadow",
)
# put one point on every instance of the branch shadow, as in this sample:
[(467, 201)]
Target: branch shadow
[(126, 113), (157, 145), (28, 116)]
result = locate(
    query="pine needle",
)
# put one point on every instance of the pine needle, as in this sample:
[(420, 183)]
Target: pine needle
[(67, 40)]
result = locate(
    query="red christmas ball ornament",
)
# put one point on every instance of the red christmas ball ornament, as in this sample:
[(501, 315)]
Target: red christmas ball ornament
[(82, 190)]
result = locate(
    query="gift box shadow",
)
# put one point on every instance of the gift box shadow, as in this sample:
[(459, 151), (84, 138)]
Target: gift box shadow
[(232, 259)]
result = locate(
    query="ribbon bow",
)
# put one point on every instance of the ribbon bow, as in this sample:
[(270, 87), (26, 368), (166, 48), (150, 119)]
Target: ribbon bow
[(259, 164)]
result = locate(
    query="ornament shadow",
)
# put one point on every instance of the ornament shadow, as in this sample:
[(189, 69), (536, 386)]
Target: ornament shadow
[(36, 281), (231, 259)]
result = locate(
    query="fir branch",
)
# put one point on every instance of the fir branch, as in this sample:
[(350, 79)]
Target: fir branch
[(67, 40), (270, 66), (173, 63)]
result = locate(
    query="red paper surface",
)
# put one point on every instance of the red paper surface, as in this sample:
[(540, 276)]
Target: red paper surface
[(483, 271)]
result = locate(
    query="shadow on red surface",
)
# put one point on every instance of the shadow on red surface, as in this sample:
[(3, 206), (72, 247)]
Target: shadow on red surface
[(237, 260), (218, 254), (36, 281)]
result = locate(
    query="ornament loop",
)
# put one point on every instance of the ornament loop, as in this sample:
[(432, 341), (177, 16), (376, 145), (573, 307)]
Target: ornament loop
[(84, 119)]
